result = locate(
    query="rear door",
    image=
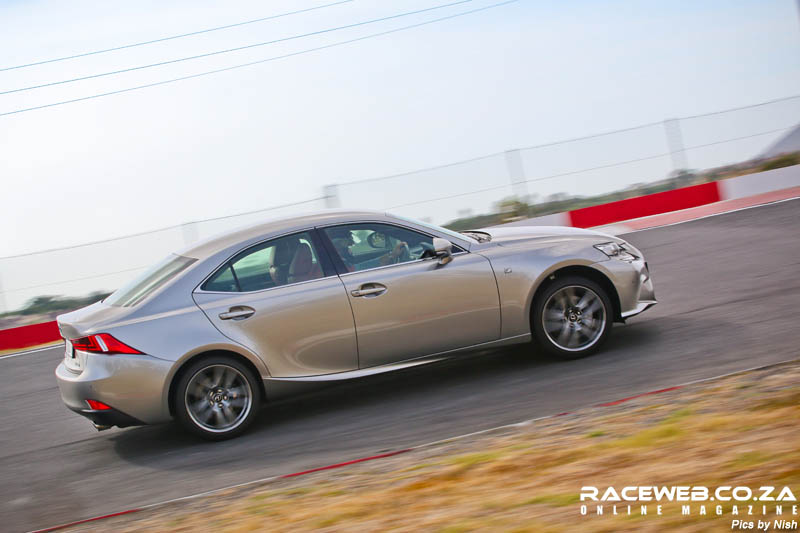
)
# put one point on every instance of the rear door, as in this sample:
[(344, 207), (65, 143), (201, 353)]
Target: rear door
[(283, 300), (404, 302)]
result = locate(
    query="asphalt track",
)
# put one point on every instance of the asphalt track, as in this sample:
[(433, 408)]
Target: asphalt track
[(729, 294)]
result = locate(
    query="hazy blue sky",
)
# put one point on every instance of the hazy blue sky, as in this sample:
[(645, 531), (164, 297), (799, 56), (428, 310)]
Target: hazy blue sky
[(518, 75)]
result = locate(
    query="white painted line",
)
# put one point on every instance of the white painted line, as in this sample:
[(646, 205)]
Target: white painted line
[(28, 352)]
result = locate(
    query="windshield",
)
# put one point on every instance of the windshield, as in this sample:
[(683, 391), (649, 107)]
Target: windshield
[(446, 231), (151, 279)]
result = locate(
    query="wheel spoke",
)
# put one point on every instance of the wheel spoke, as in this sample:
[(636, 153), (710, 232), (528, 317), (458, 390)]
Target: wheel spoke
[(585, 299), (563, 336), (238, 391), (203, 410), (561, 298), (218, 418), (230, 416), (198, 390), (228, 378), (553, 325), (241, 401), (554, 314), (217, 379), (595, 306), (569, 293), (205, 381)]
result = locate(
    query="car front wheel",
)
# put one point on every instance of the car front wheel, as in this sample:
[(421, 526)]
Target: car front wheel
[(572, 317), (217, 398)]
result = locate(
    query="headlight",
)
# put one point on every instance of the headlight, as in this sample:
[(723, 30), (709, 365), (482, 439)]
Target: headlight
[(616, 251)]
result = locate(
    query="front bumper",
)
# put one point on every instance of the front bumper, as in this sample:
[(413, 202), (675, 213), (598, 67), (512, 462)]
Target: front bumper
[(633, 283), (134, 386)]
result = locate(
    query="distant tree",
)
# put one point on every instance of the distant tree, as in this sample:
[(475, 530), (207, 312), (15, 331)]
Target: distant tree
[(512, 208), (50, 303), (785, 160)]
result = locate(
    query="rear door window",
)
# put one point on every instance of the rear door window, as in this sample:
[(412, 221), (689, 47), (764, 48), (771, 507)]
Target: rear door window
[(281, 261)]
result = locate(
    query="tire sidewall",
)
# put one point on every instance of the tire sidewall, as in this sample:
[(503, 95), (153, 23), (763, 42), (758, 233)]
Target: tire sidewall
[(537, 328), (181, 413)]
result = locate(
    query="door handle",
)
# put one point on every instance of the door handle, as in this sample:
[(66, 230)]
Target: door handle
[(369, 289), (237, 313)]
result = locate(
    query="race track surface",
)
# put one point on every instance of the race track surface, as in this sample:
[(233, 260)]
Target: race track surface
[(729, 294)]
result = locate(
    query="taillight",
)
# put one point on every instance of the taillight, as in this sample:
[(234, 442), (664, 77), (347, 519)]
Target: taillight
[(102, 343)]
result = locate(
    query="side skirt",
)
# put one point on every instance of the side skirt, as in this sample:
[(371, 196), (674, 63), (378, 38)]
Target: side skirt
[(280, 387)]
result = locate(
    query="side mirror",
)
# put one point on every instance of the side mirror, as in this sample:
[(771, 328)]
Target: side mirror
[(443, 249), (376, 240)]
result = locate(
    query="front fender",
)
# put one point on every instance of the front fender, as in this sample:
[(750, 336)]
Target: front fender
[(520, 272)]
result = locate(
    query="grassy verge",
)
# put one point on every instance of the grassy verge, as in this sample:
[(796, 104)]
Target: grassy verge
[(740, 430)]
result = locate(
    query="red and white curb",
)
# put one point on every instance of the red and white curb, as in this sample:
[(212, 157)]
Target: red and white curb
[(410, 449)]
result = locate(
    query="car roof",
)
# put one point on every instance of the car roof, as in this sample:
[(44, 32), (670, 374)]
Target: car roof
[(276, 226)]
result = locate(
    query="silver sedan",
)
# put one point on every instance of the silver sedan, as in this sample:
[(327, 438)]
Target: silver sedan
[(211, 333)]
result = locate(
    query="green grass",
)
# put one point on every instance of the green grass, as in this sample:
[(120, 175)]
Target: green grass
[(650, 437), (751, 459), (472, 459)]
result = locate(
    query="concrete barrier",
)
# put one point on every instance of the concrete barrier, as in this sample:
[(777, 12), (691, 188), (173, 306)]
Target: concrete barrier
[(644, 206), (746, 186), (28, 336), (760, 182)]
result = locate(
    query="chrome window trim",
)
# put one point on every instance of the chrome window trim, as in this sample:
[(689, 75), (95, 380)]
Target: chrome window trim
[(198, 290), (368, 221), (466, 242)]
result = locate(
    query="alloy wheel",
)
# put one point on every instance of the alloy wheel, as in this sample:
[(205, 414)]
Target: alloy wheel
[(574, 318)]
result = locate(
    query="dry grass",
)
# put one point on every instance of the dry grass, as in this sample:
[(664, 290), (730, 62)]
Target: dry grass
[(742, 430)]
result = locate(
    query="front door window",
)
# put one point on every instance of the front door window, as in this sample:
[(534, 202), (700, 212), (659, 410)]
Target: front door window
[(369, 245)]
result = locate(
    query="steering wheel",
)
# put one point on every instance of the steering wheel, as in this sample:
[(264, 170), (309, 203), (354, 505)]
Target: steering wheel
[(405, 255)]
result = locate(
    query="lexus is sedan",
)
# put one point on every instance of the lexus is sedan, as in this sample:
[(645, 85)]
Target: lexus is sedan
[(211, 333)]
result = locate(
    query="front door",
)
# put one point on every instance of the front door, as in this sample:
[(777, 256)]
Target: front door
[(404, 302)]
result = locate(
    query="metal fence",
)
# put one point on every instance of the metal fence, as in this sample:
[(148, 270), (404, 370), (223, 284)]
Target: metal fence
[(582, 166)]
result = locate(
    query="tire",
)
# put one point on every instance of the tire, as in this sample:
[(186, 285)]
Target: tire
[(216, 398), (572, 317)]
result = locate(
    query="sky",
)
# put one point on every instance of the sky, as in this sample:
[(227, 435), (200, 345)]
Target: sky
[(276, 133)]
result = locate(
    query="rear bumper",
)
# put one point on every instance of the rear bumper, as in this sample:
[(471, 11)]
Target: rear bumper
[(108, 418), (134, 386)]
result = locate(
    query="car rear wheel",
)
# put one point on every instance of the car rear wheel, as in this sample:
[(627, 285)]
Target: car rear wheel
[(217, 398), (572, 317)]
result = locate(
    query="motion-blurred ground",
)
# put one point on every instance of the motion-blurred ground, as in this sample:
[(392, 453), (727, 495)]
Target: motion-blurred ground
[(737, 431)]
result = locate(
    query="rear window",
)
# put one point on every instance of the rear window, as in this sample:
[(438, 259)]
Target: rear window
[(146, 283)]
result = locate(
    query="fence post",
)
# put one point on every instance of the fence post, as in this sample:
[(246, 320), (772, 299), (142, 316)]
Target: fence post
[(3, 304), (516, 173), (672, 129), (331, 194)]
